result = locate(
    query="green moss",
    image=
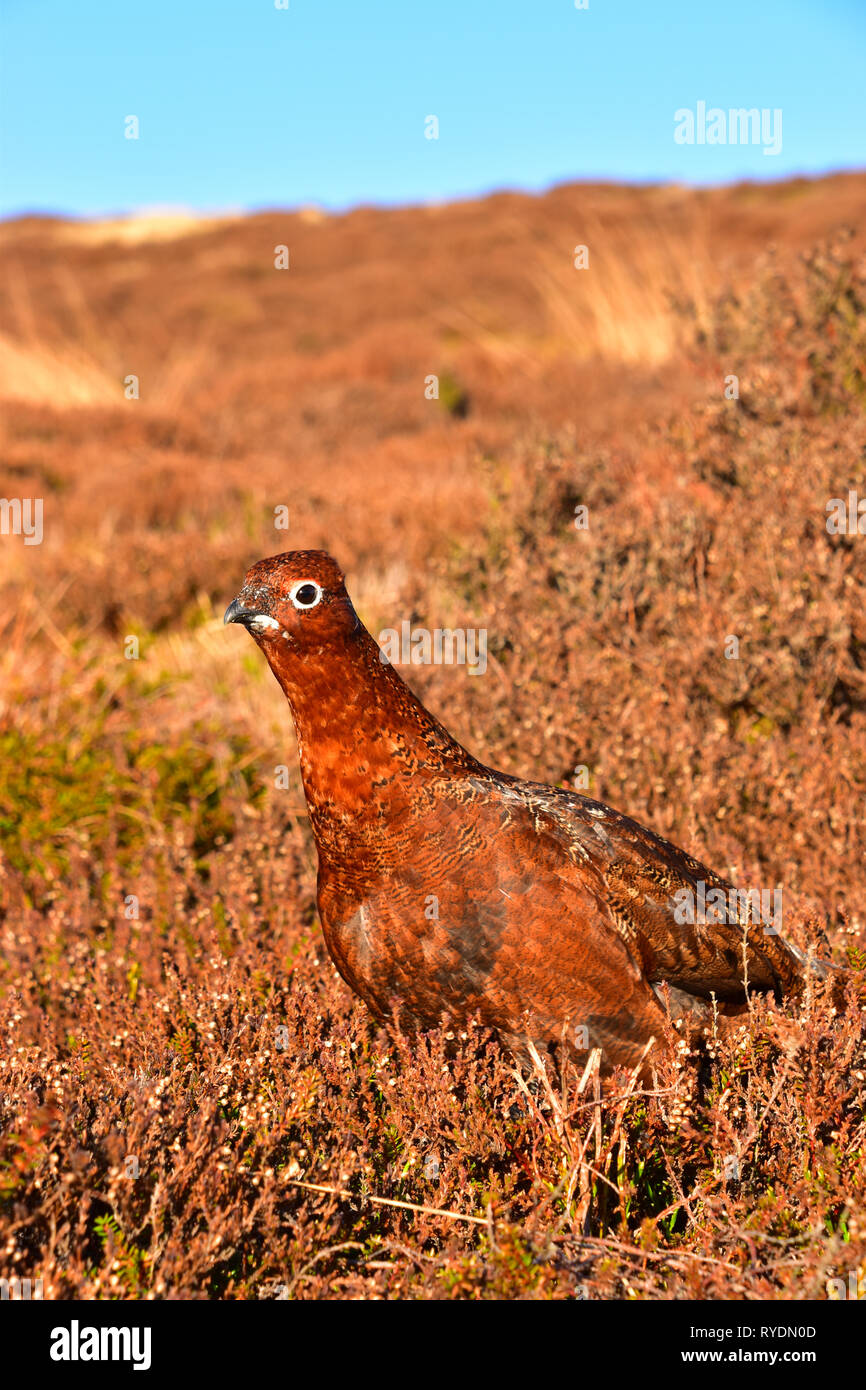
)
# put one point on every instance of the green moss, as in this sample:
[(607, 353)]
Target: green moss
[(763, 727), (109, 796), (452, 396)]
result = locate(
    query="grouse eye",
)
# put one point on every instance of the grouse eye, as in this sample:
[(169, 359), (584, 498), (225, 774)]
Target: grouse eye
[(306, 594)]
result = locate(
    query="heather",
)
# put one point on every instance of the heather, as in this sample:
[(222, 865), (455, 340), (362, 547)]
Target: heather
[(193, 1105)]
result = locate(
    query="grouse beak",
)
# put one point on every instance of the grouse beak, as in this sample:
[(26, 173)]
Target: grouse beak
[(251, 618), (236, 613)]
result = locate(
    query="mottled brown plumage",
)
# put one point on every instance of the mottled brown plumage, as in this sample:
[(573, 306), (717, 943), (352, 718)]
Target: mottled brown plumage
[(447, 889)]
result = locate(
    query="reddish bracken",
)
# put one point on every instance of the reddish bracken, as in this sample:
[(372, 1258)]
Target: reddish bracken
[(448, 890)]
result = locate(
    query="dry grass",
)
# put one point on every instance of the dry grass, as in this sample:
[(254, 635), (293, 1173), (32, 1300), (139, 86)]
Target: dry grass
[(192, 1103), (141, 228)]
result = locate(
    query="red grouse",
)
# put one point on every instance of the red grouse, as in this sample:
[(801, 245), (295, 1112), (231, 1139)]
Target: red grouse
[(448, 890)]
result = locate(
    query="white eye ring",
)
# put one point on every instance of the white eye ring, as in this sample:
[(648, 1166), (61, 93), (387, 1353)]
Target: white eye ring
[(305, 584)]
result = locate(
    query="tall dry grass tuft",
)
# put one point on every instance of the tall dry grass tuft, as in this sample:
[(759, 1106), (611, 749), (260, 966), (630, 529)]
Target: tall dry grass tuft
[(621, 305)]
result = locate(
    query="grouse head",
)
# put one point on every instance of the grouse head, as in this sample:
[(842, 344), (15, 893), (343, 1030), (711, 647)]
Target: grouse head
[(294, 603)]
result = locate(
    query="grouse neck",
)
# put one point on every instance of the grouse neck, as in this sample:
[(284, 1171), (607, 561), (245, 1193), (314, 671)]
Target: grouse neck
[(363, 736)]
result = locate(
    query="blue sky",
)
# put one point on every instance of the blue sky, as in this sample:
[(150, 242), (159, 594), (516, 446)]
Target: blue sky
[(242, 105)]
